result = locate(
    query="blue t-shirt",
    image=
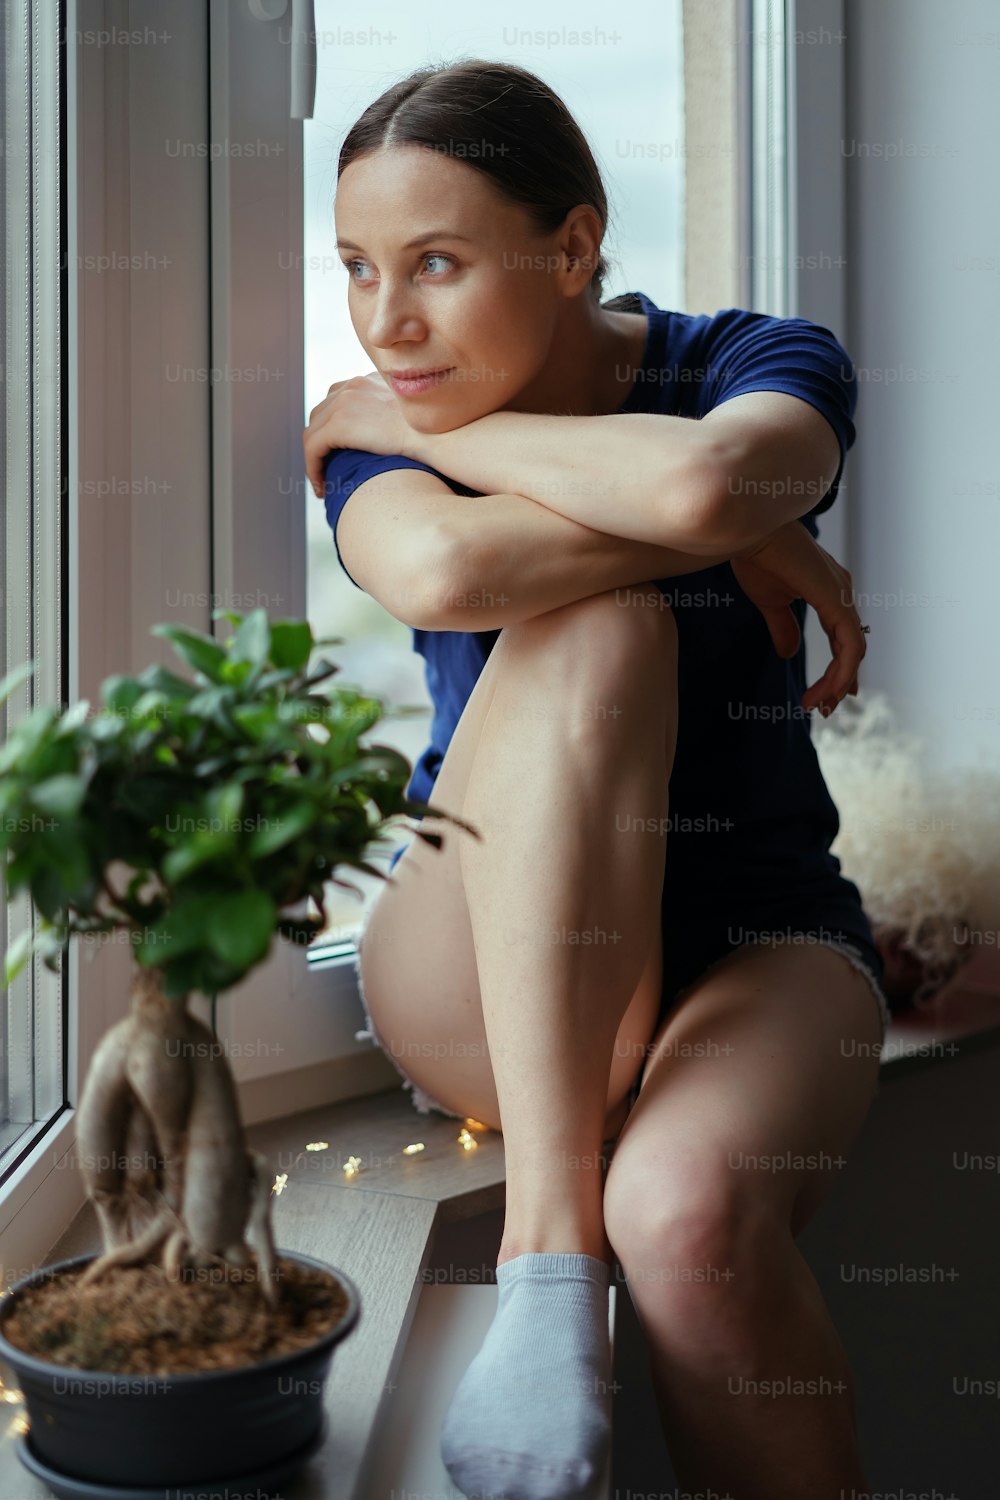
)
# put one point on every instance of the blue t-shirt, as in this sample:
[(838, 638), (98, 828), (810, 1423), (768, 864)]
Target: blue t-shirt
[(746, 792)]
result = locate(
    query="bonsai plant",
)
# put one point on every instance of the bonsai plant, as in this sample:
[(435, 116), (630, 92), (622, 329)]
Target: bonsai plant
[(198, 819)]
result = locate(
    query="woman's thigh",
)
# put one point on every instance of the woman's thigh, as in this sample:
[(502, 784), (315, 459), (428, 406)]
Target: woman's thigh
[(417, 960), (755, 1086)]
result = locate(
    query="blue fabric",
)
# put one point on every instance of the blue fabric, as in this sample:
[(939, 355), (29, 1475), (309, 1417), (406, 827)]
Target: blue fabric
[(751, 819)]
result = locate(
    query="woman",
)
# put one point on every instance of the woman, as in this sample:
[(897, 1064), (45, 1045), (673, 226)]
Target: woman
[(608, 596)]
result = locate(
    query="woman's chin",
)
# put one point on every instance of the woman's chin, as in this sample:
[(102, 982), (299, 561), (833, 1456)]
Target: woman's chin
[(431, 423)]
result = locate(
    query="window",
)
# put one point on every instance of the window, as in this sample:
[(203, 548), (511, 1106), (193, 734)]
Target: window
[(621, 76), (205, 316), (32, 509)]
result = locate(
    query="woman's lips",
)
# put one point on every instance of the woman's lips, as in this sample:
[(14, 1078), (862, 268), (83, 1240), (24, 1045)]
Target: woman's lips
[(412, 386)]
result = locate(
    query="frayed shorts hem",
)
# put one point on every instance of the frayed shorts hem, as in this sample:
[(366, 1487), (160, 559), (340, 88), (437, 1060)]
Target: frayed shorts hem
[(854, 955), (423, 1102)]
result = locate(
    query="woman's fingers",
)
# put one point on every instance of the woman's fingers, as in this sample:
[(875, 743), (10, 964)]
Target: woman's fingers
[(316, 446), (790, 564), (783, 628), (847, 645), (842, 624), (315, 450)]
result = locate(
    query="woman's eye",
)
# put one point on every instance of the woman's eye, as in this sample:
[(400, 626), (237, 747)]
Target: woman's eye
[(351, 266)]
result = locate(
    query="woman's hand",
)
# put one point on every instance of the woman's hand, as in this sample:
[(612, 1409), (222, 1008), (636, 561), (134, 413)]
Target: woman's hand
[(358, 413), (789, 565)]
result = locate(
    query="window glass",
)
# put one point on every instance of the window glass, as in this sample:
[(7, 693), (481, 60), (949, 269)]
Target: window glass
[(621, 76), (31, 512)]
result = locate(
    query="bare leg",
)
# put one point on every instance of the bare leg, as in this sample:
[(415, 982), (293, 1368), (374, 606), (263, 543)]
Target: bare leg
[(564, 890), (751, 1378)]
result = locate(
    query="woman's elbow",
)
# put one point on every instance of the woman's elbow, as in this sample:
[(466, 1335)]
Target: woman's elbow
[(444, 591)]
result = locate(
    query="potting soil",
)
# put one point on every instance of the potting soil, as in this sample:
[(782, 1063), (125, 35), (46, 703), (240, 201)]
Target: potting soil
[(134, 1320)]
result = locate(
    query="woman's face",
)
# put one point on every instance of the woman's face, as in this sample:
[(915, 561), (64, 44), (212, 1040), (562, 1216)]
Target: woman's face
[(445, 272)]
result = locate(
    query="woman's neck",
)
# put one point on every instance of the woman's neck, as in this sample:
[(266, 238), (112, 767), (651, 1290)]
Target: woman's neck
[(595, 356)]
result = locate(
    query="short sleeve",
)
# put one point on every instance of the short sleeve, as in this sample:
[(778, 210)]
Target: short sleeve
[(751, 351), (346, 469)]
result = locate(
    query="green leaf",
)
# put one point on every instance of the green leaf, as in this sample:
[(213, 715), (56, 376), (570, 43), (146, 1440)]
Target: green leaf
[(68, 857), (11, 792), (216, 705), (17, 955), (253, 639), (239, 926), (234, 616), (225, 806), (198, 971), (180, 975), (60, 796), (26, 736), (272, 679), (151, 797), (51, 945), (287, 803), (236, 673), (182, 930), (199, 650), (209, 767), (74, 717), (260, 721), (118, 693), (201, 850), (107, 727), (152, 701), (291, 643), (48, 892), (321, 672), (20, 869), (14, 678), (280, 831), (178, 688)]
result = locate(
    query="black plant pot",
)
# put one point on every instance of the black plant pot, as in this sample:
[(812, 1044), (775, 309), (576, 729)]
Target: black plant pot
[(146, 1435)]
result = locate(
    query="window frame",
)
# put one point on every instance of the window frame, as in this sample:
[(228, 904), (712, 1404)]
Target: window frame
[(123, 419), (35, 1006)]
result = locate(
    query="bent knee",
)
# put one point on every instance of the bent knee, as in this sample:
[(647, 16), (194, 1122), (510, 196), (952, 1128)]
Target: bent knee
[(703, 1233), (690, 1207), (622, 628)]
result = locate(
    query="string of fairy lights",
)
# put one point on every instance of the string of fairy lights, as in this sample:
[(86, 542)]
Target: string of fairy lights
[(355, 1165)]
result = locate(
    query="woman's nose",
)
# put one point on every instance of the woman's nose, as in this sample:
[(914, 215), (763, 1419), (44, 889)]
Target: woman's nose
[(393, 318)]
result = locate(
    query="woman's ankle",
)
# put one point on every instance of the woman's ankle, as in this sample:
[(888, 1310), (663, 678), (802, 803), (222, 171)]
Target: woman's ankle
[(579, 1240)]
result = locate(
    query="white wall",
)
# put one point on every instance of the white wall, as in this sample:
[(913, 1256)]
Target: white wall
[(923, 81)]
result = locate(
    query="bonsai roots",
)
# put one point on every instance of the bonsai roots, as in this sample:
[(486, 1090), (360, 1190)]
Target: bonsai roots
[(162, 1147)]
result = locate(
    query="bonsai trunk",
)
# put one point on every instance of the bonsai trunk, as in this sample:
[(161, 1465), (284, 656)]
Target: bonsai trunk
[(162, 1147)]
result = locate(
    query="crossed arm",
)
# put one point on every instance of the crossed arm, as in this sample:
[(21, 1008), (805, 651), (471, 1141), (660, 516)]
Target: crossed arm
[(440, 561), (703, 487), (572, 505)]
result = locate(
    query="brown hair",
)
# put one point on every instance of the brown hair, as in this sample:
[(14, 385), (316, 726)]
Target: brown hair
[(501, 120)]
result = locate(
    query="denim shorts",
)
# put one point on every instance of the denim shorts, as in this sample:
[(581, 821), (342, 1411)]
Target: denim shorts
[(822, 910)]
